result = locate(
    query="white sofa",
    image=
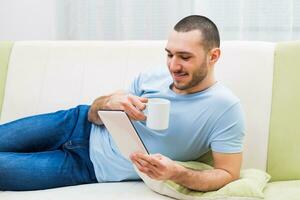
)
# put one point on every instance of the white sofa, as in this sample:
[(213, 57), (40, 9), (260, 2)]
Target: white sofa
[(44, 76)]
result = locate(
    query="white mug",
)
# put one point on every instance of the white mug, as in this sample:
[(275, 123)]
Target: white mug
[(157, 112)]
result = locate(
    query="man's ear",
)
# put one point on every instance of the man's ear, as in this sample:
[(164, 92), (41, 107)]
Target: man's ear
[(214, 55)]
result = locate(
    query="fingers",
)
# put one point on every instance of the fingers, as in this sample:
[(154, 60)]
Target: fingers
[(143, 99), (158, 156), (133, 106), (156, 166), (146, 168), (147, 162), (133, 112), (153, 160), (138, 102)]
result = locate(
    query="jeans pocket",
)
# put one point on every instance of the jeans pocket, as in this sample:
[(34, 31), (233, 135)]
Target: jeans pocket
[(76, 143), (82, 167)]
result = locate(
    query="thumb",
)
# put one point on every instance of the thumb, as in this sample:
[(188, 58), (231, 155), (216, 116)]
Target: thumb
[(143, 99)]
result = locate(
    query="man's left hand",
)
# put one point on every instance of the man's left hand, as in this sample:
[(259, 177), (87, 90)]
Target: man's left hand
[(156, 166)]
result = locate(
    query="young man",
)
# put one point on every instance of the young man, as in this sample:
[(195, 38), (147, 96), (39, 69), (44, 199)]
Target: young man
[(74, 147)]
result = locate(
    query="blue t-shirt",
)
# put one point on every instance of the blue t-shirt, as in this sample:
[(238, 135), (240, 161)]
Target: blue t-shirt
[(211, 119)]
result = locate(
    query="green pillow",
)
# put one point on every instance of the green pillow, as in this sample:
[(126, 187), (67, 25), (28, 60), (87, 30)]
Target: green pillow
[(249, 186)]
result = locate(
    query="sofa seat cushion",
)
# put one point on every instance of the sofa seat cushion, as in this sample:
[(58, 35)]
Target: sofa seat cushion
[(134, 190), (283, 190)]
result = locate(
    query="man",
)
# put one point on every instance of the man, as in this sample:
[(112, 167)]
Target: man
[(74, 147)]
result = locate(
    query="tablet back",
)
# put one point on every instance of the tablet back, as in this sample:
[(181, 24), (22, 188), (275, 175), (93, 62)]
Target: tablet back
[(123, 132)]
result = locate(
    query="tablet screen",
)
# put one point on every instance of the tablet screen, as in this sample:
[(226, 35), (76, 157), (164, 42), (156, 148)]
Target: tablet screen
[(122, 131)]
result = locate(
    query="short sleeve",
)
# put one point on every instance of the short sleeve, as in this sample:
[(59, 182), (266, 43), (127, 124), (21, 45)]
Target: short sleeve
[(229, 131), (135, 86)]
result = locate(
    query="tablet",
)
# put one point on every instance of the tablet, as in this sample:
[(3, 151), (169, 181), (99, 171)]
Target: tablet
[(122, 131)]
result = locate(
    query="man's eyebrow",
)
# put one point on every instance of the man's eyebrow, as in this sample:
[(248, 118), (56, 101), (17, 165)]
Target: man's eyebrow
[(167, 50), (179, 52)]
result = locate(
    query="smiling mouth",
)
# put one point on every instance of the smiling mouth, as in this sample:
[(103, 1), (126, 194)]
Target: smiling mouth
[(179, 76)]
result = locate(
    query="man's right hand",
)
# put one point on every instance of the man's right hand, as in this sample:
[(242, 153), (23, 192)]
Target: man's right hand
[(132, 105)]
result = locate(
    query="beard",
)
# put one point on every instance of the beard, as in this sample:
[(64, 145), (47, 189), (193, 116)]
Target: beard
[(197, 78)]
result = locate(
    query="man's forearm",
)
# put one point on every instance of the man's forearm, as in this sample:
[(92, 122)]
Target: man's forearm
[(98, 104), (206, 180), (119, 100)]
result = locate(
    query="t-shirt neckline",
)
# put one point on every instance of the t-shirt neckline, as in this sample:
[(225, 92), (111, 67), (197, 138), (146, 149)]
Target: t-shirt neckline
[(192, 94)]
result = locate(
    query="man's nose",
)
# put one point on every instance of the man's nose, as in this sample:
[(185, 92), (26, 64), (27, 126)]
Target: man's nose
[(174, 64)]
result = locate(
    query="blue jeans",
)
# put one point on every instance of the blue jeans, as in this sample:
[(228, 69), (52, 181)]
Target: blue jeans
[(46, 151)]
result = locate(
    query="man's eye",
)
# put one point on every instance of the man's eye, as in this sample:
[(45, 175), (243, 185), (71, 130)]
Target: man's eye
[(185, 58), (170, 55)]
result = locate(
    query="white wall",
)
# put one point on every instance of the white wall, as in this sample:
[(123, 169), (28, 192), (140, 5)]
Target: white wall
[(27, 20), (145, 19)]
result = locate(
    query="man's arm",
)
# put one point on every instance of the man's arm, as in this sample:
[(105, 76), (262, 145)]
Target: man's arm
[(98, 104), (120, 100), (226, 169)]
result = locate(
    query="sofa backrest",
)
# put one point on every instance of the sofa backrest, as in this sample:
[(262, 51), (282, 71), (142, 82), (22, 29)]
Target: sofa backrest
[(46, 76), (5, 50)]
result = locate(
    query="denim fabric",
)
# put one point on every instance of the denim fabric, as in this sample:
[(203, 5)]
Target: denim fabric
[(46, 151)]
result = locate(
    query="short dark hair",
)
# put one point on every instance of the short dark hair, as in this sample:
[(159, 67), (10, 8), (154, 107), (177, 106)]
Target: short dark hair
[(208, 29)]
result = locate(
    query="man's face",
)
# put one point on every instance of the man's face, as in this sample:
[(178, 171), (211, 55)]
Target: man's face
[(187, 60)]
